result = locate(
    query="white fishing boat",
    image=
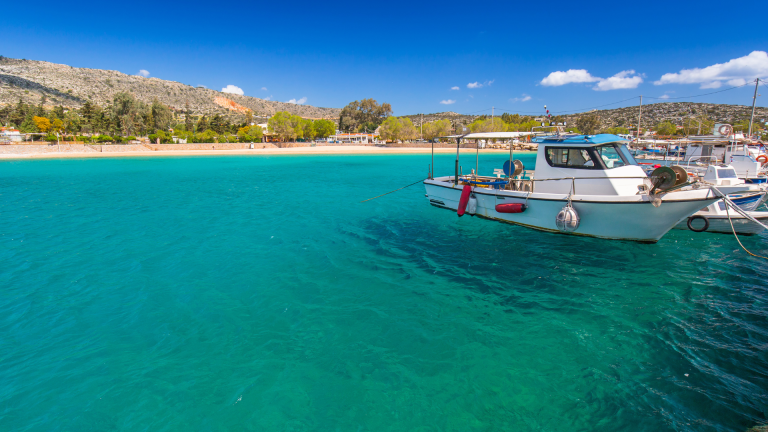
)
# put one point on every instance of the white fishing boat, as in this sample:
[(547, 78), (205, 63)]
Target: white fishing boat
[(582, 185), (748, 196), (717, 218)]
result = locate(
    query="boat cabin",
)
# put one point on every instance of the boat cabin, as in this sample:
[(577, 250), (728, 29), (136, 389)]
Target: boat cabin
[(590, 164), (721, 175)]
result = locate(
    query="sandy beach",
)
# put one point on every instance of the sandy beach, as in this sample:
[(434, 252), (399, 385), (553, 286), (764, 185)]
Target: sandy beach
[(324, 150)]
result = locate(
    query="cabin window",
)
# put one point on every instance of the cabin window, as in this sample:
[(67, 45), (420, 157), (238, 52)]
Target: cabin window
[(615, 155), (726, 173), (570, 158)]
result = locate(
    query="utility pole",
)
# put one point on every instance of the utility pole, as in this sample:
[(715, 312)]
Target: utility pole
[(754, 99), (639, 117)]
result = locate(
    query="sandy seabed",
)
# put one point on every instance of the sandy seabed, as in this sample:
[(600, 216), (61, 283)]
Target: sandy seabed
[(329, 150)]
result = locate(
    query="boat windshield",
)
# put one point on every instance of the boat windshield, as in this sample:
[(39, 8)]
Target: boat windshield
[(606, 156), (615, 155), (726, 173)]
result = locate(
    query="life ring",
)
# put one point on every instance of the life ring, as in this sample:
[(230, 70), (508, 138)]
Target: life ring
[(725, 129), (692, 218), (762, 159)]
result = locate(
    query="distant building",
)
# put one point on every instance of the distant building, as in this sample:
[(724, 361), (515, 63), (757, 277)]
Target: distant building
[(9, 135), (355, 138)]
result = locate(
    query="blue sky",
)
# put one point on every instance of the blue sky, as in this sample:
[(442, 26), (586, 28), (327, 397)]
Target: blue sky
[(411, 54)]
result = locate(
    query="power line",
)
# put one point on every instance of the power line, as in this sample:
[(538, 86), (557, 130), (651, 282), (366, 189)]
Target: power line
[(595, 107), (623, 100), (703, 94)]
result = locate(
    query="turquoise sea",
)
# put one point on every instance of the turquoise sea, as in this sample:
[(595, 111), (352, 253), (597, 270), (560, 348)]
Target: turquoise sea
[(241, 293)]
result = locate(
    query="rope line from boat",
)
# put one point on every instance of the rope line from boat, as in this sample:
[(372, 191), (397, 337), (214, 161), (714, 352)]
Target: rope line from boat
[(729, 204), (737, 236), (419, 181)]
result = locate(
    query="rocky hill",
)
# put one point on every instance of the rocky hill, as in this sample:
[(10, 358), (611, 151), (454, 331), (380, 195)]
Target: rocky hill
[(626, 117), (675, 112), (29, 80)]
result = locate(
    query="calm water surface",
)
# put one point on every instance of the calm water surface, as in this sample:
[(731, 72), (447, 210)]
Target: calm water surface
[(257, 293)]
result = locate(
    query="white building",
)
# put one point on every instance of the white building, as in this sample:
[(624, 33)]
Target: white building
[(9, 135)]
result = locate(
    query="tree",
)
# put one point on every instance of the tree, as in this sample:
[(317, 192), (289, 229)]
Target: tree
[(367, 114), (161, 115), (588, 124), (666, 128), (494, 124), (307, 129), (57, 126), (700, 123), (57, 112), (219, 124), (397, 129), (437, 128), (324, 128), (42, 123), (248, 117), (202, 124), (256, 132), (283, 125), (125, 113), (188, 125), (72, 122), (616, 130)]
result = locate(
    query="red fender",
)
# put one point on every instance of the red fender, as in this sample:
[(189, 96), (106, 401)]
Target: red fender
[(464, 200), (511, 208)]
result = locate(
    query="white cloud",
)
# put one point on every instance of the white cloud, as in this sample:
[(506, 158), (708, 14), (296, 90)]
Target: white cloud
[(478, 84), (233, 89), (264, 88), (268, 97), (665, 96), (298, 102), (627, 79), (447, 101), (735, 72), (144, 73), (571, 76), (523, 98), (455, 88)]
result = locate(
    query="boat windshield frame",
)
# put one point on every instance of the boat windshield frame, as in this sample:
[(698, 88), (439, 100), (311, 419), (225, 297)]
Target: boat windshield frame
[(594, 156), (622, 151)]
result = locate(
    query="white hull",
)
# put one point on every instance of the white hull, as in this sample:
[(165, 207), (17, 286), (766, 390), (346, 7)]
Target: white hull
[(604, 216)]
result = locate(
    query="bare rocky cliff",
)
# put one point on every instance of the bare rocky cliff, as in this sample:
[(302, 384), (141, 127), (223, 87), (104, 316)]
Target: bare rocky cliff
[(70, 87)]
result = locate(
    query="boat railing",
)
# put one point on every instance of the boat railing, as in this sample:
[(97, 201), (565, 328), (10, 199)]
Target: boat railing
[(709, 160), (529, 185)]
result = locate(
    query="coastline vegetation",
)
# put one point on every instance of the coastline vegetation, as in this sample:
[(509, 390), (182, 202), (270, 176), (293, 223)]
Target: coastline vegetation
[(127, 118)]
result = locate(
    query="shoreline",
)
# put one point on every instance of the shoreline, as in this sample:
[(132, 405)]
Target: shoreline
[(324, 150)]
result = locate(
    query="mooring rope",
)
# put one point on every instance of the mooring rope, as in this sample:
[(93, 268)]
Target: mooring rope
[(419, 181), (727, 206)]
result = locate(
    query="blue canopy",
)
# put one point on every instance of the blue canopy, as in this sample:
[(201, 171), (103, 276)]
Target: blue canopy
[(580, 139)]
